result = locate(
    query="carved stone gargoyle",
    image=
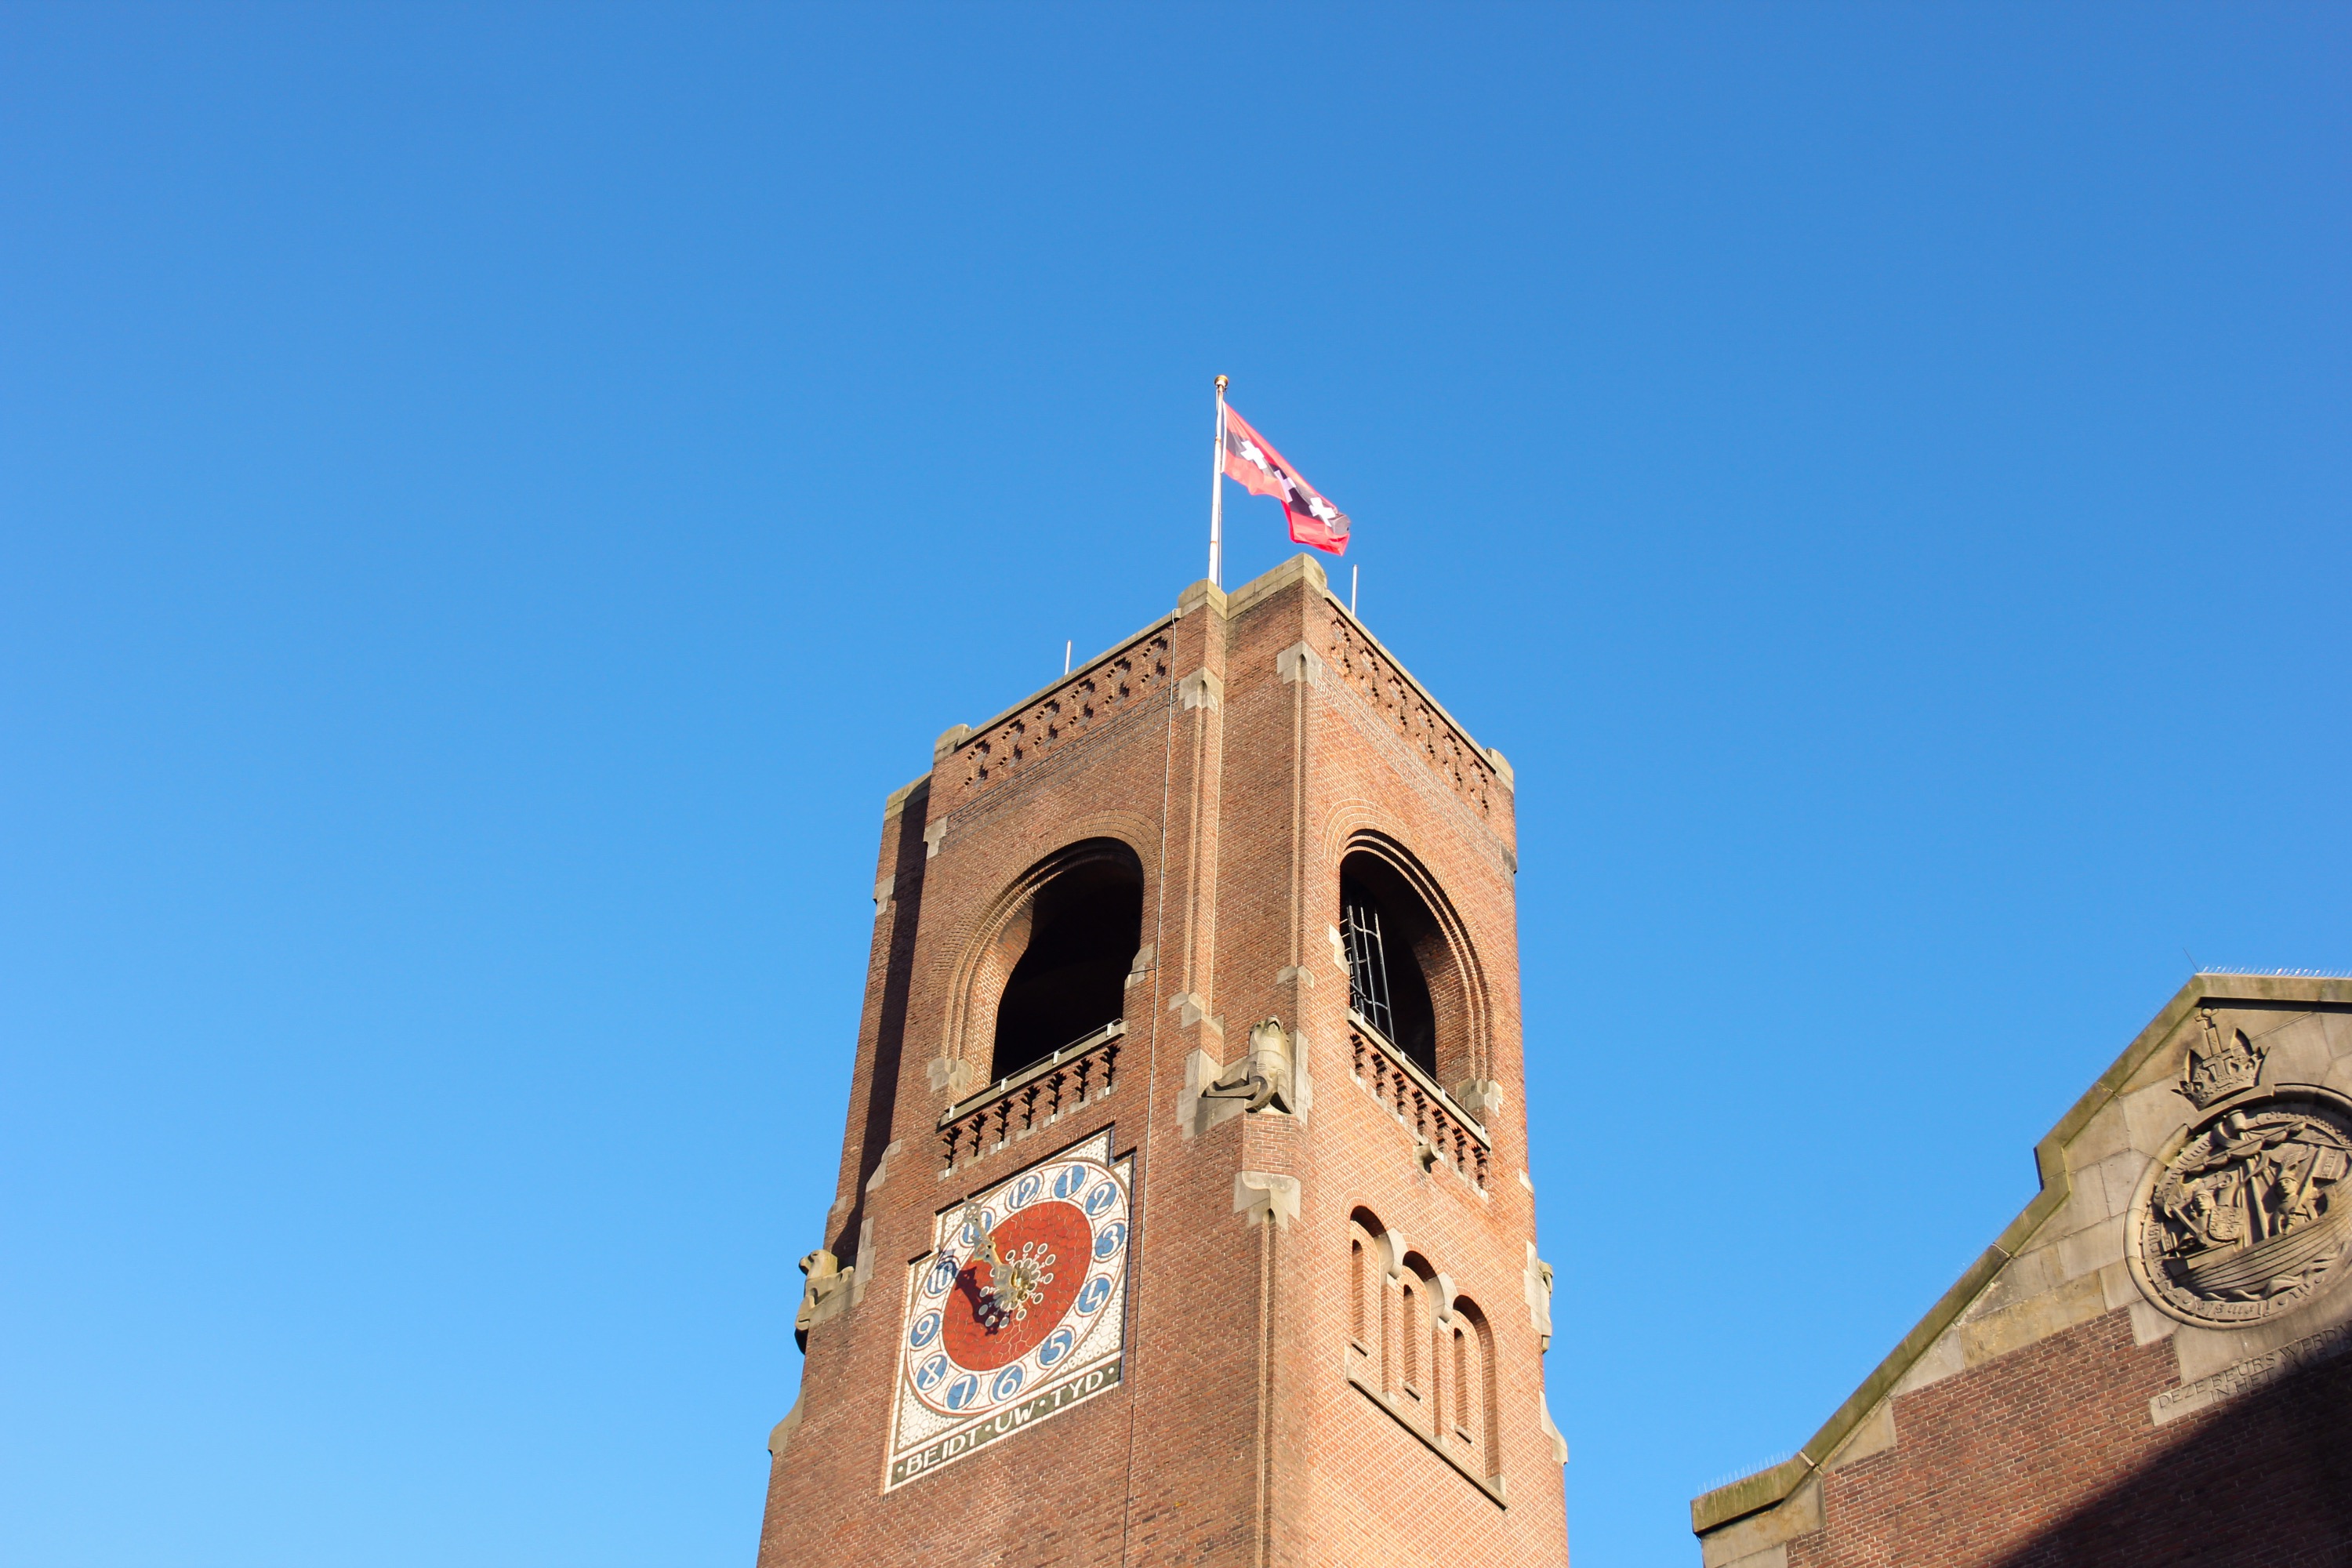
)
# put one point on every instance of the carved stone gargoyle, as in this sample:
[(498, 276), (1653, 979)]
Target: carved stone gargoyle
[(826, 1296), (1261, 1077)]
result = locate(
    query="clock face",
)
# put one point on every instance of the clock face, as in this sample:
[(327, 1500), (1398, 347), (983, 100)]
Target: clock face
[(1018, 1311)]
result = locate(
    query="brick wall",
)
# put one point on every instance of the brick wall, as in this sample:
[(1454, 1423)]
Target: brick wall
[(1241, 749), (2052, 1409), (2048, 1456)]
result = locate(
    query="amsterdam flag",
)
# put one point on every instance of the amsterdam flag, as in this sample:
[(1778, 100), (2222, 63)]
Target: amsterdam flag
[(1252, 463)]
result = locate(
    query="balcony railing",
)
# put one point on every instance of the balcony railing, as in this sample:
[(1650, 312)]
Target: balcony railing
[(1413, 1097), (1039, 1095)]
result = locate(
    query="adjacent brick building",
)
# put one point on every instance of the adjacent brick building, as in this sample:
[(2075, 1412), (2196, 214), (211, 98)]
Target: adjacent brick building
[(2153, 1365), (1183, 1213)]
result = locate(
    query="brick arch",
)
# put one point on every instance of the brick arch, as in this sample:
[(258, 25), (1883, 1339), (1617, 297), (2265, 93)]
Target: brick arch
[(993, 943), (1473, 1414), (1421, 1301), (1366, 1271), (1447, 957), (1139, 835)]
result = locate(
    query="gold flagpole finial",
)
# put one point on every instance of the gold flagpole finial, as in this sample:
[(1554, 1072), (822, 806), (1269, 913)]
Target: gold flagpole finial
[(1220, 386)]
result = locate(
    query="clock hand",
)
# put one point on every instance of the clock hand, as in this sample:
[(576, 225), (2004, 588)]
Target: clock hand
[(973, 1218)]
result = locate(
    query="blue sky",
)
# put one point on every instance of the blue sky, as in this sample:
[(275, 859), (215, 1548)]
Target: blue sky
[(491, 498)]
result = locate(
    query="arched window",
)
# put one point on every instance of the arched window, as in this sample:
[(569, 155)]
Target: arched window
[(1385, 985), (1410, 976), (1474, 1390), (1359, 1267), (1424, 1356), (1063, 956), (1464, 1408), (1368, 1310), (1408, 1336)]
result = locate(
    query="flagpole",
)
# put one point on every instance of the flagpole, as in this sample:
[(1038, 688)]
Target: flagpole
[(1217, 494)]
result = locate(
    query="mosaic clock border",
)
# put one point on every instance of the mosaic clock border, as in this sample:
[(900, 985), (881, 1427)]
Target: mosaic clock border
[(923, 1439)]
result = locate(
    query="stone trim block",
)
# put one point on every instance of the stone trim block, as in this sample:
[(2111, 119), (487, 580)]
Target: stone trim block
[(1260, 1197)]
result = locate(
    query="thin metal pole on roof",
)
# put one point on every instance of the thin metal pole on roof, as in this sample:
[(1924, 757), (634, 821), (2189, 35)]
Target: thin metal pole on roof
[(1217, 493)]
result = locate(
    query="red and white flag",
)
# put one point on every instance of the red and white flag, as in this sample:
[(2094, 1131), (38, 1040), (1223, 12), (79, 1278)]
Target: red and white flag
[(1252, 463)]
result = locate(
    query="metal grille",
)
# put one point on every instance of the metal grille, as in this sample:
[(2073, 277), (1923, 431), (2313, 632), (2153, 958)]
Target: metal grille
[(1368, 967)]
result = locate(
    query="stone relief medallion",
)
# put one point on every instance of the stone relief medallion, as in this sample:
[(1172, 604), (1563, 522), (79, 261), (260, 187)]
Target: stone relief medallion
[(2251, 1216), (1017, 1312)]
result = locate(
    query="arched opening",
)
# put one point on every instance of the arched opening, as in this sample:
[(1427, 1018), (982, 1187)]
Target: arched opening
[(1475, 1426), (1070, 949), (1390, 940), (1367, 1306), (1420, 1347)]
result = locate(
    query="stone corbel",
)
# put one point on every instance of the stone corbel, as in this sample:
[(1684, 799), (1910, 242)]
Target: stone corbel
[(825, 1297), (1559, 1443), (1538, 1282), (1191, 1008), (950, 1078), (863, 1269), (1392, 1250), (1195, 1113), (1298, 662), (1142, 968), (882, 1167), (1201, 688), (1481, 1097), (882, 891), (1260, 1197), (1441, 1295), (933, 836), (780, 1434)]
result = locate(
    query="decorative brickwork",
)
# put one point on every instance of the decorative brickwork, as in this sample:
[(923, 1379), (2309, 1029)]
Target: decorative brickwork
[(1436, 1123), (1118, 684), (1214, 758), (1037, 1098), (1423, 726)]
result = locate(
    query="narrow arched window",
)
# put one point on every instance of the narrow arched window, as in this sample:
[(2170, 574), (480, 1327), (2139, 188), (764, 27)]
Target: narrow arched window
[(1355, 1269), (1476, 1390), (1465, 1413), (1412, 1336)]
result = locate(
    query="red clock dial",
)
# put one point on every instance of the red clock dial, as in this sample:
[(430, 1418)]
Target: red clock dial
[(993, 1321)]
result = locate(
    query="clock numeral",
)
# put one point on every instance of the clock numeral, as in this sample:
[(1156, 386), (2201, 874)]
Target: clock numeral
[(1110, 1239), (1096, 1292), (927, 1329), (960, 1392), (1067, 1182), (927, 1375), (1101, 1198), (1007, 1384), (1057, 1345), (1024, 1194), (942, 1278)]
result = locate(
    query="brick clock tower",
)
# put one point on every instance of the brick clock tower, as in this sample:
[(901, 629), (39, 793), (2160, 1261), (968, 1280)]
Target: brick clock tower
[(1183, 1212)]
